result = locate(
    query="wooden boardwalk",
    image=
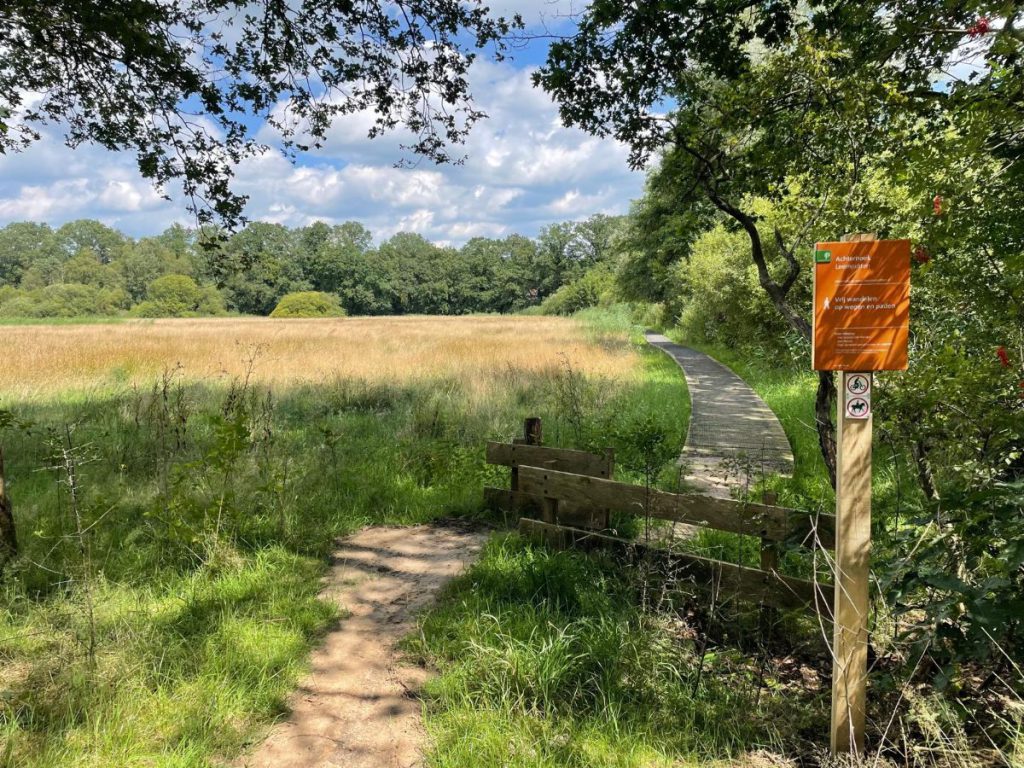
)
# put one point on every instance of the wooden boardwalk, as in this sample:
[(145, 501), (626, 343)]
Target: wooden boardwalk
[(733, 434)]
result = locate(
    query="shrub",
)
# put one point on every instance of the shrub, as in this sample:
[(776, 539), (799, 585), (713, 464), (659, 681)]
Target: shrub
[(308, 304), (63, 300), (179, 296), (593, 288), (723, 302)]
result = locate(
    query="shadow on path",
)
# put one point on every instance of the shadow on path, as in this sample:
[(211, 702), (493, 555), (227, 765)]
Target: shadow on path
[(359, 706)]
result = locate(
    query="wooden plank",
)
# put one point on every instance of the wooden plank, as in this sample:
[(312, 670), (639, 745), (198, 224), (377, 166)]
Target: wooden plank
[(561, 459), (525, 503), (853, 555), (515, 501), (767, 522), (737, 581)]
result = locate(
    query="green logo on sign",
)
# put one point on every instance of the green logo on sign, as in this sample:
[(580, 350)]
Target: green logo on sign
[(822, 257)]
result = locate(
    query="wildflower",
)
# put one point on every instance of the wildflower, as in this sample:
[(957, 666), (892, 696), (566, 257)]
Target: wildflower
[(921, 255), (1003, 357), (937, 205)]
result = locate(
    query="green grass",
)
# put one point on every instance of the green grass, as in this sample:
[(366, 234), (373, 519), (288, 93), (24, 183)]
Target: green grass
[(552, 659), (172, 630)]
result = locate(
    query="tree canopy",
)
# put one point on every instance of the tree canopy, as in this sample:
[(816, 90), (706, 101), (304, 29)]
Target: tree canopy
[(790, 102), (186, 85)]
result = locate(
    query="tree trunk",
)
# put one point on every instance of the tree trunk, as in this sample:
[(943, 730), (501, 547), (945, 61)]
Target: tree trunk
[(824, 407), (8, 537), (924, 470)]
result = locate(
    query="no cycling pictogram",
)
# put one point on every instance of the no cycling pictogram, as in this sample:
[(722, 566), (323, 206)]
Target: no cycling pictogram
[(858, 384)]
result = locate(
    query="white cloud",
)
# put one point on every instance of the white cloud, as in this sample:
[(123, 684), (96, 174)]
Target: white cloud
[(523, 170)]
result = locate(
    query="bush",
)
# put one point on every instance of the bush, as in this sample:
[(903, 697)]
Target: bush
[(593, 288), (63, 300), (179, 296), (723, 302), (308, 304)]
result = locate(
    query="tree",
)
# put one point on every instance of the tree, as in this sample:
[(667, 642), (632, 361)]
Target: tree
[(257, 267), (326, 253), (419, 274), (102, 241), (23, 244), (143, 262), (177, 82), (770, 94), (567, 249)]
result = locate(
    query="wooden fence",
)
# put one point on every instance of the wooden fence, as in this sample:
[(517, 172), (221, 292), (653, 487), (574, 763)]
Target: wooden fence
[(566, 497), (527, 454)]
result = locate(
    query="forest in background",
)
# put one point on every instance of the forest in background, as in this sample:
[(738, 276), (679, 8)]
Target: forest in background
[(85, 268)]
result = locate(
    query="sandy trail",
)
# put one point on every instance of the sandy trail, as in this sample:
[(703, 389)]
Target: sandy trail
[(359, 708)]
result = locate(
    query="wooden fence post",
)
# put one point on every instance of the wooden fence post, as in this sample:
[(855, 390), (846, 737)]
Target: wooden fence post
[(533, 434), (609, 454), (8, 535), (533, 431), (769, 552), (853, 558), (769, 564)]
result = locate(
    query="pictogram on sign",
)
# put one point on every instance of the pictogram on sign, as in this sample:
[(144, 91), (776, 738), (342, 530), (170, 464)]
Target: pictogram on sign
[(856, 395), (858, 408), (858, 384)]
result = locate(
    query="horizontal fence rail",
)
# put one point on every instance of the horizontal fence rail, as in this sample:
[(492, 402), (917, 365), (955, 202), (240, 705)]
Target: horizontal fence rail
[(729, 580), (559, 459), (525, 453), (768, 522)]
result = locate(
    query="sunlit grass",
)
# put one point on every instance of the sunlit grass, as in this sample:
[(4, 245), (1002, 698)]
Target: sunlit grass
[(43, 361), (550, 659)]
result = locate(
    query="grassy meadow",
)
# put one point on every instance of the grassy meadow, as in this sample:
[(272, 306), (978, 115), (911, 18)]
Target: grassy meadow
[(178, 484), (484, 354)]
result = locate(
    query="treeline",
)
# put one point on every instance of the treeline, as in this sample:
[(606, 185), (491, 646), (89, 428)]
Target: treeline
[(87, 268)]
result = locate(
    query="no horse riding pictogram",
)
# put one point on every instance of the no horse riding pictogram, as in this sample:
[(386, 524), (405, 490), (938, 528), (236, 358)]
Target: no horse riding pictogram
[(858, 408)]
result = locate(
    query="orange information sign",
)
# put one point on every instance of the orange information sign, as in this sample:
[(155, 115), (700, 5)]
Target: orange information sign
[(861, 305)]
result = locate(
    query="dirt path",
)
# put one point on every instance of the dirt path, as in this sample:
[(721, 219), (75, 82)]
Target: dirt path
[(732, 430), (358, 708)]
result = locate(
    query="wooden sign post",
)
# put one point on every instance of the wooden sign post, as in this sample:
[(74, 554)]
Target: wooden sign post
[(861, 325)]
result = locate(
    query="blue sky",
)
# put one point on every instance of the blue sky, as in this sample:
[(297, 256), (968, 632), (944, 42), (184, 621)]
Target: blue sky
[(523, 170)]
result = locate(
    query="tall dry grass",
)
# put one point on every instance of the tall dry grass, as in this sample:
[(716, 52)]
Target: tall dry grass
[(40, 361)]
